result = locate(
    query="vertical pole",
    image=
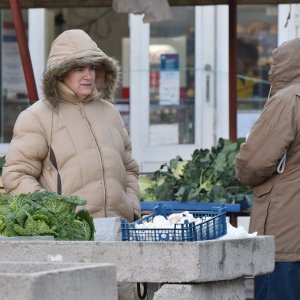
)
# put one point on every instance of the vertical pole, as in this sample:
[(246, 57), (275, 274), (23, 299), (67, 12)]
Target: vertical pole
[(232, 70), (37, 43), (24, 51), (1, 87)]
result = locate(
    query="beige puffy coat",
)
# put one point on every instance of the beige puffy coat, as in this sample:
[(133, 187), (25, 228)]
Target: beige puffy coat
[(276, 203), (88, 139)]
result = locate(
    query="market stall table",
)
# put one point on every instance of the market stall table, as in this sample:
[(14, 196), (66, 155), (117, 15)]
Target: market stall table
[(197, 269)]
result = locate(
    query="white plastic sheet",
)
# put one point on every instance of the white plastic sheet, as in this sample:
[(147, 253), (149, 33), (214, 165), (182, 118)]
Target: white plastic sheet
[(153, 10), (237, 233)]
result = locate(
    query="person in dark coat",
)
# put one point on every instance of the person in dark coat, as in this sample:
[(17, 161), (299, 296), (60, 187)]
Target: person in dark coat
[(269, 163)]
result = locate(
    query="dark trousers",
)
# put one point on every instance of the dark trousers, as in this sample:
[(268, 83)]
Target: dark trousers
[(282, 284)]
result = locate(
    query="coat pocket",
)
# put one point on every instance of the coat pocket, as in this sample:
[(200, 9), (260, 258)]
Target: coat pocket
[(127, 212), (260, 208), (263, 189)]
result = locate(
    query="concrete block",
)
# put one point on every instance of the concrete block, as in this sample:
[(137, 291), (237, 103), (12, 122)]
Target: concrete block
[(57, 281), (221, 290), (157, 262)]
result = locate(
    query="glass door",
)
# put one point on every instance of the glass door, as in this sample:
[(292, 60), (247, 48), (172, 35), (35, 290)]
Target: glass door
[(172, 86), (172, 80)]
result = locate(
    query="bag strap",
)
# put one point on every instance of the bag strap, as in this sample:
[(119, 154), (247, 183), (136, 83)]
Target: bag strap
[(51, 154), (54, 163), (281, 164)]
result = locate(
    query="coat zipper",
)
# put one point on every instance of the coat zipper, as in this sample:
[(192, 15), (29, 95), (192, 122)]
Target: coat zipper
[(100, 154)]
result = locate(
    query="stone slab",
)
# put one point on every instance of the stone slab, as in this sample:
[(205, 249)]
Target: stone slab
[(57, 281), (221, 290), (173, 262)]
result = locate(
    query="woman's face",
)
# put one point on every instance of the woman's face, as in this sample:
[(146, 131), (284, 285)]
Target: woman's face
[(81, 81)]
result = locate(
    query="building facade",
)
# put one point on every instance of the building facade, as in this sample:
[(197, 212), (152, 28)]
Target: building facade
[(173, 94)]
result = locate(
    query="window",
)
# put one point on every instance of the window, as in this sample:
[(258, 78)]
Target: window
[(13, 88), (256, 38)]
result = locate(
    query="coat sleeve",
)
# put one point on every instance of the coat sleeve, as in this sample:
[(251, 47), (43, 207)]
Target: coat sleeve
[(267, 142), (28, 149)]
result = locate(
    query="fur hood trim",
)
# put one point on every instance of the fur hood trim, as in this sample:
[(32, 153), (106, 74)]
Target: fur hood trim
[(74, 48)]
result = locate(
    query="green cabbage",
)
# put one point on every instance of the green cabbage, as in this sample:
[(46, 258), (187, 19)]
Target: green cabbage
[(45, 213)]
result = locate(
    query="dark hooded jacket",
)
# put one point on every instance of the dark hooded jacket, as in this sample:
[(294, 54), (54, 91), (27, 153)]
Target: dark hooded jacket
[(76, 148), (276, 202)]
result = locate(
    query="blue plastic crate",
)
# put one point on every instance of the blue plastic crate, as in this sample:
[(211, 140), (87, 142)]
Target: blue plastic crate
[(190, 206), (213, 226)]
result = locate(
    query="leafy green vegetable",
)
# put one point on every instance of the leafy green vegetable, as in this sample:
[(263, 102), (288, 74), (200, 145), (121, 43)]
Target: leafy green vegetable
[(146, 185), (208, 177), (45, 213)]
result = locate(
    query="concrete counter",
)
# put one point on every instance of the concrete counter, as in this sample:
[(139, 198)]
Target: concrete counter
[(59, 281), (156, 262)]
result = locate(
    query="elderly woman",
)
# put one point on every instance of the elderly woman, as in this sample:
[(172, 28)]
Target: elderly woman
[(73, 141)]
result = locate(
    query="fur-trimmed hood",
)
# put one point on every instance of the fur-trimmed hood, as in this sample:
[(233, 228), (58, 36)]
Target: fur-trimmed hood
[(74, 48)]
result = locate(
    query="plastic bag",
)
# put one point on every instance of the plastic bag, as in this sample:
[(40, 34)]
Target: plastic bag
[(107, 229), (153, 10)]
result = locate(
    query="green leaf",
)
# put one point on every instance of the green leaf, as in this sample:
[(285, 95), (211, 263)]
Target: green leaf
[(208, 176)]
